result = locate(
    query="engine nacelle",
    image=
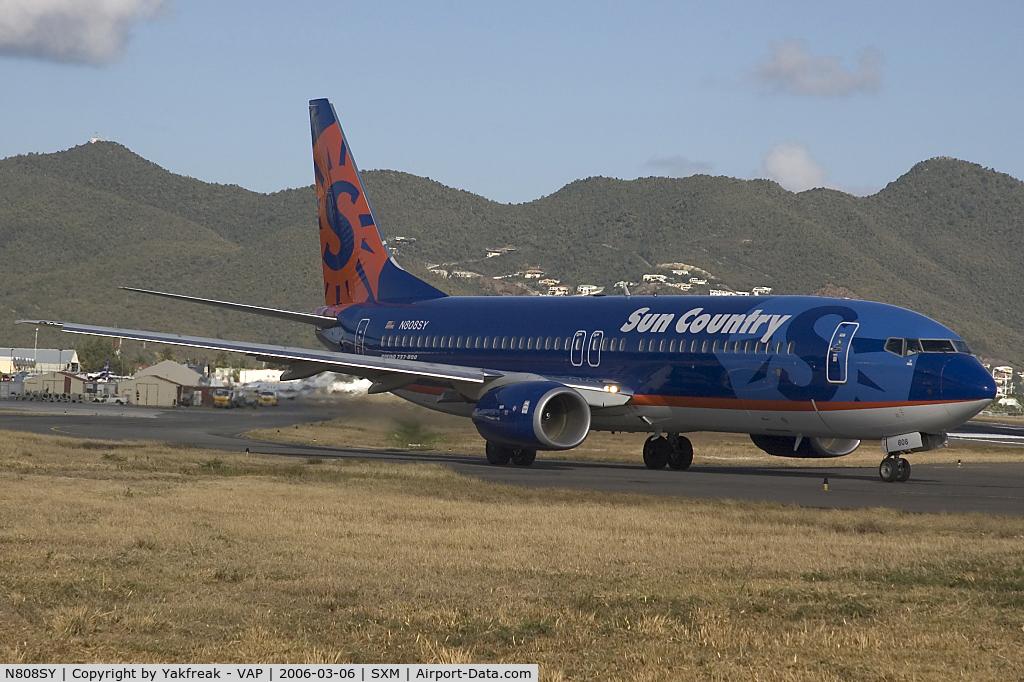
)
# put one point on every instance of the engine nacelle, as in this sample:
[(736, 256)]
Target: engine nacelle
[(539, 415), (816, 448)]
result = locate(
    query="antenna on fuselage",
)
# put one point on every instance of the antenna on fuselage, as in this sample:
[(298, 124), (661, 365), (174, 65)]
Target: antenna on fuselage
[(625, 290)]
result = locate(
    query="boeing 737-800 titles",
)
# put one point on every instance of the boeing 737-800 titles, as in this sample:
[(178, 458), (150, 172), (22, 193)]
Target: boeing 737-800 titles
[(803, 376)]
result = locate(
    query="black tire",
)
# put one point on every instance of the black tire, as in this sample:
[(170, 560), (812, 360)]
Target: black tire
[(888, 469), (523, 458), (682, 453), (497, 455), (903, 471), (657, 452)]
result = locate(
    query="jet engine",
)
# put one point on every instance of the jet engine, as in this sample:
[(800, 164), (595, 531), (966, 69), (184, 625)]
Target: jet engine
[(786, 446), (539, 415)]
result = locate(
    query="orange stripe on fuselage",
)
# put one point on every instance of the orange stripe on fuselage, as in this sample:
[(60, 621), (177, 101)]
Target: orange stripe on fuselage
[(775, 405)]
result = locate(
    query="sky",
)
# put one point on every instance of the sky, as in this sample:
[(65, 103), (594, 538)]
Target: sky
[(512, 101)]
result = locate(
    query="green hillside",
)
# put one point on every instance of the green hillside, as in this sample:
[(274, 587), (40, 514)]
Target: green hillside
[(946, 239)]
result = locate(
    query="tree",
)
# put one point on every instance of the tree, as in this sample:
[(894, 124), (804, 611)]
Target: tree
[(94, 352)]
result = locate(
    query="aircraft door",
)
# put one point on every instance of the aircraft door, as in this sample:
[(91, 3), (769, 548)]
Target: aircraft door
[(839, 352), (579, 340), (361, 336), (594, 349)]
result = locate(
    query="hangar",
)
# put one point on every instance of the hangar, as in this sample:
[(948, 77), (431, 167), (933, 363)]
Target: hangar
[(13, 360), (161, 385)]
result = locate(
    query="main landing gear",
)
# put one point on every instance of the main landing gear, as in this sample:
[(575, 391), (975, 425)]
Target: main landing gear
[(499, 455), (894, 468), (676, 451)]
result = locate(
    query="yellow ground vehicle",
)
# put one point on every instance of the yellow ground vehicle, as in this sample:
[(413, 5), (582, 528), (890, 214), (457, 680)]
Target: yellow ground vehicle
[(268, 399), (222, 397)]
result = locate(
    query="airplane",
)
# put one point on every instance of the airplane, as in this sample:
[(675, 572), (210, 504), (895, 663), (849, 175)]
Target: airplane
[(102, 375), (804, 376)]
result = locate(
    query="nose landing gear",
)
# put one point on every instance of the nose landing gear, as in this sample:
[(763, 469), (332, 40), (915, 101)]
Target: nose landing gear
[(894, 468)]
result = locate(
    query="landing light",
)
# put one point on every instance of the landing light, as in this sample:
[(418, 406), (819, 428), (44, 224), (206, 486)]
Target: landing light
[(611, 388)]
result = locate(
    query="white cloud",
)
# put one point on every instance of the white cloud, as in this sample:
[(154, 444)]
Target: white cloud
[(677, 166), (790, 164), (89, 31), (793, 70)]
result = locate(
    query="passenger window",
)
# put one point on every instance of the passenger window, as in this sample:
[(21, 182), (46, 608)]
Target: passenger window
[(641, 346), (791, 348), (547, 343), (672, 346), (714, 346), (778, 348), (747, 346), (704, 347), (558, 342), (693, 346), (437, 341)]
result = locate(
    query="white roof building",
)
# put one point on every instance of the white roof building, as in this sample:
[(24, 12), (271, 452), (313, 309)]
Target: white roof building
[(38, 360)]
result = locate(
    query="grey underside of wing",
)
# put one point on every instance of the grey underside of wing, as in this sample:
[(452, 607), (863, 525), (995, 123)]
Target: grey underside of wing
[(348, 363)]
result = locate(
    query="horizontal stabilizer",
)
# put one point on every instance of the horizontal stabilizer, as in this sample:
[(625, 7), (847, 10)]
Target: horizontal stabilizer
[(322, 321)]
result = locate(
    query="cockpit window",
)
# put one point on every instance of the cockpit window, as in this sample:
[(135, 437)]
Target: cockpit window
[(896, 346), (907, 347), (937, 346), (961, 347)]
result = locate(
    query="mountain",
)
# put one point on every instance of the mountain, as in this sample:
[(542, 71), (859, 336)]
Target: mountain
[(946, 239)]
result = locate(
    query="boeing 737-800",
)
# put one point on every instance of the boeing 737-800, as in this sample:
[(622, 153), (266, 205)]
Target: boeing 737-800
[(803, 376)]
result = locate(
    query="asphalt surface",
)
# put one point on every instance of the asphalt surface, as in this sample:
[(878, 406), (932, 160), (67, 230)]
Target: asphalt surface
[(996, 488)]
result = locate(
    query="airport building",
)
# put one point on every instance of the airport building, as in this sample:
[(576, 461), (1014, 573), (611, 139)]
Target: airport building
[(14, 360), (165, 384)]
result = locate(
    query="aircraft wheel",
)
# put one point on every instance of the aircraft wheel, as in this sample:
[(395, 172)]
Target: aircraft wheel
[(682, 452), (903, 471), (523, 458), (657, 452), (888, 469), (498, 455)]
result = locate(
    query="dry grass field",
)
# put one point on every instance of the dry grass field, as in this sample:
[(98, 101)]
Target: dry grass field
[(146, 553)]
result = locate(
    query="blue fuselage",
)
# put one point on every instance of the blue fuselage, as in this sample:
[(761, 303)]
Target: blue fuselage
[(733, 363)]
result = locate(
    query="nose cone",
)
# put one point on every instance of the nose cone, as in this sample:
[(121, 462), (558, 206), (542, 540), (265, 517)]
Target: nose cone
[(966, 381)]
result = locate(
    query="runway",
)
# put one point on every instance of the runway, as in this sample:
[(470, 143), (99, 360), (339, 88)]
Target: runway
[(996, 488)]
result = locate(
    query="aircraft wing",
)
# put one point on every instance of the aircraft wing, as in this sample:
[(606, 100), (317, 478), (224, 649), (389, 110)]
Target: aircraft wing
[(391, 373), (387, 374)]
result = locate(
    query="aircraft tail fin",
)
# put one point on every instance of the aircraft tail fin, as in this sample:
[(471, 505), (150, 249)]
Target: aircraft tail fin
[(356, 264)]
